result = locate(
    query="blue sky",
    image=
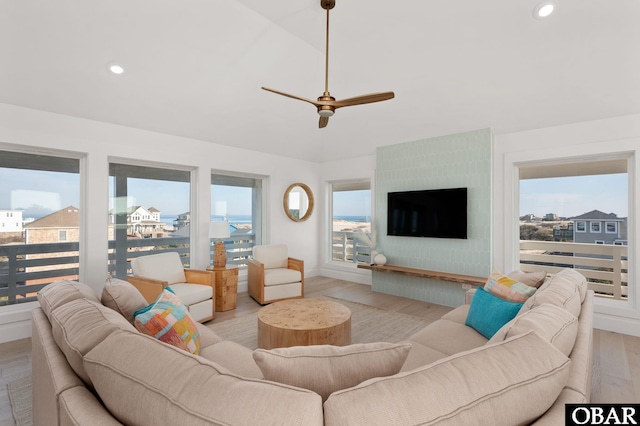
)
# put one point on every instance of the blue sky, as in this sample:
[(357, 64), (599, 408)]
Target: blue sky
[(573, 196)]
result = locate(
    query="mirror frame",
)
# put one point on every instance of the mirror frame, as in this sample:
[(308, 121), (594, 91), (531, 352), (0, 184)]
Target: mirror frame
[(285, 202)]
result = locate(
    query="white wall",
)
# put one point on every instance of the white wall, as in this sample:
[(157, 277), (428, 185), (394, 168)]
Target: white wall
[(572, 142), (97, 143)]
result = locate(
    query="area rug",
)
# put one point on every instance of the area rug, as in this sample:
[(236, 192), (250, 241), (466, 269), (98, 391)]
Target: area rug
[(20, 397), (368, 324)]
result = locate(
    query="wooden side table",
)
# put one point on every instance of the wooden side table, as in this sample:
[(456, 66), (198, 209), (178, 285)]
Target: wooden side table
[(226, 287)]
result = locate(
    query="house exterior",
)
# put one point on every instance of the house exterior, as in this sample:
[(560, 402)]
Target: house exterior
[(10, 221), (596, 227), (142, 222), (183, 219), (62, 226), (58, 227)]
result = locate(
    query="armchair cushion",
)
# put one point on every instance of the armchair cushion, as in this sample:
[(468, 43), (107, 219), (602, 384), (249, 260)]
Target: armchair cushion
[(190, 294), (275, 256), (163, 266), (278, 276)]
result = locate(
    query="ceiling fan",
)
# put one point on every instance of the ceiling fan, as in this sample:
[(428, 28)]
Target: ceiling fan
[(326, 103)]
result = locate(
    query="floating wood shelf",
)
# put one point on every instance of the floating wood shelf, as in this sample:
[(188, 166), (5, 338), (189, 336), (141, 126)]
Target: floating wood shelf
[(424, 273)]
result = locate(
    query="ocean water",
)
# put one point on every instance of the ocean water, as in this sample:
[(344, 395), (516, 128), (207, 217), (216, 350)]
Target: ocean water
[(353, 218), (233, 219)]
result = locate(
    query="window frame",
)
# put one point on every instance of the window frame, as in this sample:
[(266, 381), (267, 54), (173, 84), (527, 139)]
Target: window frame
[(340, 186), (584, 226), (259, 185), (595, 227), (606, 227)]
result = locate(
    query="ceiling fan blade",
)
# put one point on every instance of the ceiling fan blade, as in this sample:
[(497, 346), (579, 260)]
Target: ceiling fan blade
[(323, 122), (315, 103), (364, 99)]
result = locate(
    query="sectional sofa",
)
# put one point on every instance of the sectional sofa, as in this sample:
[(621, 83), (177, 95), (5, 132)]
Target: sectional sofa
[(92, 367)]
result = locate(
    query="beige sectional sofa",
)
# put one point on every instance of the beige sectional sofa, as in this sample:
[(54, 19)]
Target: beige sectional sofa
[(92, 367)]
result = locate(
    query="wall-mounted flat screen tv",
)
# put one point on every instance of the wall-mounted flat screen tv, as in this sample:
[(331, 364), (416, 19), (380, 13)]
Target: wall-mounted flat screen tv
[(438, 213)]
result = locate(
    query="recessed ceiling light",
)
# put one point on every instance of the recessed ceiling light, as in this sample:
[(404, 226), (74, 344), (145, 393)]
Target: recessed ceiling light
[(116, 69), (544, 9)]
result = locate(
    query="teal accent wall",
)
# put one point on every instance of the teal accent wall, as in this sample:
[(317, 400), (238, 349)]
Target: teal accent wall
[(453, 161)]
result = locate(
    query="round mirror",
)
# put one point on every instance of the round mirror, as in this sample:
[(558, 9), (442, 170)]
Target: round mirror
[(298, 202)]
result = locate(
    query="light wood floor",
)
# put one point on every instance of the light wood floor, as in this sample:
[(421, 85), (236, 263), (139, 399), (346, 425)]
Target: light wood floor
[(616, 357)]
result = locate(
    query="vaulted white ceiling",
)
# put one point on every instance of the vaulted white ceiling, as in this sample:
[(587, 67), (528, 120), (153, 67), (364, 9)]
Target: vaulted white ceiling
[(194, 68)]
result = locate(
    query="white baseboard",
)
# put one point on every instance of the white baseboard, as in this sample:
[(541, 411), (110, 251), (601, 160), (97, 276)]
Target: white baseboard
[(15, 331), (630, 326), (360, 276)]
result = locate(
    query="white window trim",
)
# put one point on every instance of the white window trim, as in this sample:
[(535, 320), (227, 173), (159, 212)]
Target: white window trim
[(606, 227), (585, 226), (591, 230), (601, 242)]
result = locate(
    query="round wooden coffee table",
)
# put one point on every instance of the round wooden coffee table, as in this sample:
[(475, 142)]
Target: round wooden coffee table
[(303, 322)]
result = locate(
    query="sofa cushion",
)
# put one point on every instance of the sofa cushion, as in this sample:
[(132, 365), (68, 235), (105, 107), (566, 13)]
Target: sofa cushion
[(61, 292), (274, 256), (556, 291), (325, 369), (279, 276), (420, 355), (551, 322), (236, 358), (162, 266), (488, 313), (574, 277), (122, 297), (448, 337), (513, 382), (80, 325), (141, 381), (168, 320), (533, 279), (508, 288)]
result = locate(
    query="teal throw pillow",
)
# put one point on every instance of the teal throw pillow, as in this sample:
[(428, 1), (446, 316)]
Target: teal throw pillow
[(488, 313)]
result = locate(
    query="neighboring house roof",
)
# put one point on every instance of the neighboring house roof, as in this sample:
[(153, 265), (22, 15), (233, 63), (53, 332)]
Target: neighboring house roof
[(153, 210), (597, 215), (69, 217)]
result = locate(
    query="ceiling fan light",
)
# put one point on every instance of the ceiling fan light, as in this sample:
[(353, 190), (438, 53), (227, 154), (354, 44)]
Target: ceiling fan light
[(325, 112)]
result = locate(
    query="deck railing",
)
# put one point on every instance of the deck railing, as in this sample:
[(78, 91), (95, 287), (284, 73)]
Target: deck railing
[(346, 248), (26, 268), (604, 265)]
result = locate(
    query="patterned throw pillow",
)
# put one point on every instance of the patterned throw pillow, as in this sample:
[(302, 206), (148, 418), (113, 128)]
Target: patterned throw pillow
[(508, 288), (168, 320)]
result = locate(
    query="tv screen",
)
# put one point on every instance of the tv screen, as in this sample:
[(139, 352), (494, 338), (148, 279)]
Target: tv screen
[(439, 213)]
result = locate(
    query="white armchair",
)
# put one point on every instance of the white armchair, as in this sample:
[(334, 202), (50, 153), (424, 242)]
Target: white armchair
[(273, 275), (195, 288)]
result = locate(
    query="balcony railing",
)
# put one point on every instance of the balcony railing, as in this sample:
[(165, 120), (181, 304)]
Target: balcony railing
[(604, 265), (26, 268), (346, 248)]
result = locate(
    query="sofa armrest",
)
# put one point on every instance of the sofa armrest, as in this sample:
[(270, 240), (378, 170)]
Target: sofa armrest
[(149, 288), (468, 296), (197, 276)]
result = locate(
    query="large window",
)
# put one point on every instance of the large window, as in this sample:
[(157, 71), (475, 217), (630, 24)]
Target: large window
[(149, 212), (40, 223), (351, 237), (238, 200), (575, 215)]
